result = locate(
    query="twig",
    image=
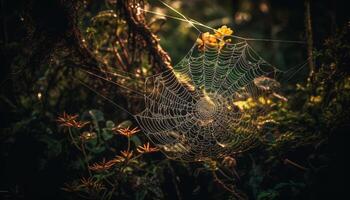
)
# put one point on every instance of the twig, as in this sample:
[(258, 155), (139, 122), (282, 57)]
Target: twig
[(118, 57), (216, 179), (124, 54), (287, 161)]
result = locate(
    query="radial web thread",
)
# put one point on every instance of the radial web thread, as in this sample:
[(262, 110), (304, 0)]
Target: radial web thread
[(193, 112)]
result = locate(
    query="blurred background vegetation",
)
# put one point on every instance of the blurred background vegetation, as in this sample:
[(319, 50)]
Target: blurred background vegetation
[(45, 45)]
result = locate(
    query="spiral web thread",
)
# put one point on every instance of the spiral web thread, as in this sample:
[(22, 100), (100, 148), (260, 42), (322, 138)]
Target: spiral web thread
[(194, 111)]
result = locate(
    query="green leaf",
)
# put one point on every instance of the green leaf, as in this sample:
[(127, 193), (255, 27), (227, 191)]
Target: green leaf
[(110, 124), (92, 142), (268, 195), (125, 124), (96, 115), (136, 140), (107, 134)]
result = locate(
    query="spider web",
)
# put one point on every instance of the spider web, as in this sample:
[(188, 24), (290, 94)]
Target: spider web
[(194, 112)]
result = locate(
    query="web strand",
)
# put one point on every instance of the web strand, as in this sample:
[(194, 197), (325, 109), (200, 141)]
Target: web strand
[(105, 98), (202, 120), (208, 106), (195, 23)]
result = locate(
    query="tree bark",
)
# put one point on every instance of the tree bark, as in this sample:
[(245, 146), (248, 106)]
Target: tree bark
[(309, 39)]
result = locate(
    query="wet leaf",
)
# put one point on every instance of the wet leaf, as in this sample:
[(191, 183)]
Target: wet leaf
[(125, 124)]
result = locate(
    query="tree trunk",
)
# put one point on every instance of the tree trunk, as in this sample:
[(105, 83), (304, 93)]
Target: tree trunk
[(309, 39)]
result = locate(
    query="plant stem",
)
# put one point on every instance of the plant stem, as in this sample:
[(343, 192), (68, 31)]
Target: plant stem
[(128, 144), (73, 140), (85, 157)]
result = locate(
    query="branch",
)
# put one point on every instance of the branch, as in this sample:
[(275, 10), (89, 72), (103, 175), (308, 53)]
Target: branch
[(309, 39), (137, 25)]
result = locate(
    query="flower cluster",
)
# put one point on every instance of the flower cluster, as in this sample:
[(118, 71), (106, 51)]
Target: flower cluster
[(124, 156), (215, 40), (223, 31)]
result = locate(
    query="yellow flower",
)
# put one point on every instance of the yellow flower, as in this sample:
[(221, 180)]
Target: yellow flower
[(216, 39), (86, 135), (222, 43), (315, 99), (223, 31), (200, 42), (207, 39)]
